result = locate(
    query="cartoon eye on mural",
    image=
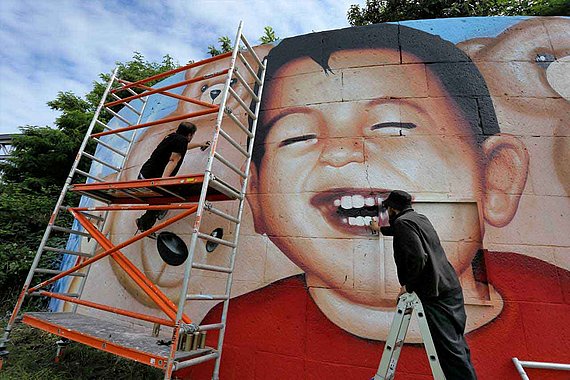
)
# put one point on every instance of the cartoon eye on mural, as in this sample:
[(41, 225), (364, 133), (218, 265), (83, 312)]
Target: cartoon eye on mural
[(472, 118)]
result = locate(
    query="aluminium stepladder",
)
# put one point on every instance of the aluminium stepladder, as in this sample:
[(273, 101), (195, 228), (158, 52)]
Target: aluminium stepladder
[(408, 305)]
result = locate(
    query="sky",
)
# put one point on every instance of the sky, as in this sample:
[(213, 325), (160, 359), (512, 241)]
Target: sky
[(61, 45)]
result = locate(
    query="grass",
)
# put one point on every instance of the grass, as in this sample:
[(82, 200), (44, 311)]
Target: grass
[(32, 354)]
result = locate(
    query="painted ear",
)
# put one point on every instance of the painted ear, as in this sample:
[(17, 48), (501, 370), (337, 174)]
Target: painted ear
[(254, 200), (506, 172), (473, 46)]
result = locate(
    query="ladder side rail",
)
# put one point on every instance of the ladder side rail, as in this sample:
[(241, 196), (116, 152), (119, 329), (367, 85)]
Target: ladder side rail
[(55, 212), (242, 201), (433, 357), (397, 333), (200, 210)]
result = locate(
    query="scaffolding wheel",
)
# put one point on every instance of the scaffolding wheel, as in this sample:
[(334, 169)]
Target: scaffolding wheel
[(61, 344)]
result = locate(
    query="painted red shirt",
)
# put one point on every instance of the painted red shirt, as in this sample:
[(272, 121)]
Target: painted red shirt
[(279, 333)]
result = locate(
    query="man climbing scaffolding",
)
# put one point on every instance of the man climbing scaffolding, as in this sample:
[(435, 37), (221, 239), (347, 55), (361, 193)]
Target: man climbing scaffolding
[(165, 161)]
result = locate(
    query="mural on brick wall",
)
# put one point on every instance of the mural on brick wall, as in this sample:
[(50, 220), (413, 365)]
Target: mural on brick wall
[(471, 116)]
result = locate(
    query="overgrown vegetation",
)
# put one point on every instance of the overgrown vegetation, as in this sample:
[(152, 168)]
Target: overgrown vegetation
[(377, 11)]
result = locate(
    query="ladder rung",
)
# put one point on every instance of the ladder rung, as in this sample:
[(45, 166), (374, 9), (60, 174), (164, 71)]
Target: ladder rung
[(105, 126), (248, 67), (171, 193), (238, 123), (98, 141), (246, 86), (89, 175), (126, 104), (91, 216), (206, 297), (216, 240), (53, 271), (39, 294), (251, 51), (118, 116), (198, 360), (224, 215), (229, 165), (213, 268), (68, 252), (241, 103), (92, 157), (225, 189), (234, 143), (213, 326), (130, 90), (70, 231)]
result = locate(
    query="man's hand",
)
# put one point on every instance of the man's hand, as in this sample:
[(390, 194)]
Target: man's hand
[(374, 226), (204, 146), (402, 291)]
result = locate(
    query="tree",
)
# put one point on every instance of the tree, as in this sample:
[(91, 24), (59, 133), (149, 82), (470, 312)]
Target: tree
[(38, 166), (269, 36), (377, 11)]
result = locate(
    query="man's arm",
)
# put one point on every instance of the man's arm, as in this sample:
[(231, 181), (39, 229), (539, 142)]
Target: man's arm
[(172, 162), (203, 145)]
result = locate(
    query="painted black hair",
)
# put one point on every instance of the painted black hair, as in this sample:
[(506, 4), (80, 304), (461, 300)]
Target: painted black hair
[(458, 74)]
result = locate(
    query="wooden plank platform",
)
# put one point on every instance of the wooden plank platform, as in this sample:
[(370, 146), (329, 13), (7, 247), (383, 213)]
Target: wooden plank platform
[(154, 191), (131, 343)]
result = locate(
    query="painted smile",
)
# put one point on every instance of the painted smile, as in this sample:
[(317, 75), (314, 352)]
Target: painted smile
[(349, 209)]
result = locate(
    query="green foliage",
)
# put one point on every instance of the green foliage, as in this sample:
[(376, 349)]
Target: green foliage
[(24, 215), (32, 358), (269, 36), (226, 45), (377, 11)]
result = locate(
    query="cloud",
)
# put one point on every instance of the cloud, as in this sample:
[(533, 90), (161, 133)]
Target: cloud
[(63, 46)]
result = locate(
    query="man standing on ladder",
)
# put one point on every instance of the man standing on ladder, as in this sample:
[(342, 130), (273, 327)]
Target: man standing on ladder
[(165, 161), (423, 268)]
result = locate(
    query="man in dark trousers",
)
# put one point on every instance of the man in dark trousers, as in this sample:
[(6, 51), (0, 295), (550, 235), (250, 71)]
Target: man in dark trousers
[(423, 268), (165, 161)]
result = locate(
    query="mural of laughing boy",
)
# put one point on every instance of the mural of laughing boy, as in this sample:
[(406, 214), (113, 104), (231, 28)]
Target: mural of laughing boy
[(349, 115)]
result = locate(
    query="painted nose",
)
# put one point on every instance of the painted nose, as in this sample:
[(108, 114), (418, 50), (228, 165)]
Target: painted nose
[(342, 151), (214, 94)]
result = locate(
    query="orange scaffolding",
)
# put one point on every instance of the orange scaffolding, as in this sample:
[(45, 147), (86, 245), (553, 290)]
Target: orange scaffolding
[(189, 194)]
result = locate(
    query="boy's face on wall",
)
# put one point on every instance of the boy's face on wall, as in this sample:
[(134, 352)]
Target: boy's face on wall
[(340, 142)]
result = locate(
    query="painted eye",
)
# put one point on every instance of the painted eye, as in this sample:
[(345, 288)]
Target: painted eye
[(204, 88), (233, 81), (297, 139), (392, 127)]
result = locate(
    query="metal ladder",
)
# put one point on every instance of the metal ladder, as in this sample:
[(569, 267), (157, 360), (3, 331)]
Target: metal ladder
[(183, 327), (408, 304)]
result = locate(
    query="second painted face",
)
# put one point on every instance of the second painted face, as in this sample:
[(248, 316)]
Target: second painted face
[(338, 143)]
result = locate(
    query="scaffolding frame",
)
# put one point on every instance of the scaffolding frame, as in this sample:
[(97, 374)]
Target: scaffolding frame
[(191, 194)]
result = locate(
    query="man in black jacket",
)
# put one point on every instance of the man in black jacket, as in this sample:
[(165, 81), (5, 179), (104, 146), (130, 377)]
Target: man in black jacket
[(423, 268)]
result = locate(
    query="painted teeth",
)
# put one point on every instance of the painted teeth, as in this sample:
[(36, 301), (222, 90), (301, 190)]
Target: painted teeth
[(354, 201), (359, 220)]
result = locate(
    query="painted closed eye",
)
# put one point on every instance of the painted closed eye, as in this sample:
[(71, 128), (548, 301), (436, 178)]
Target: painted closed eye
[(297, 139), (392, 127)]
